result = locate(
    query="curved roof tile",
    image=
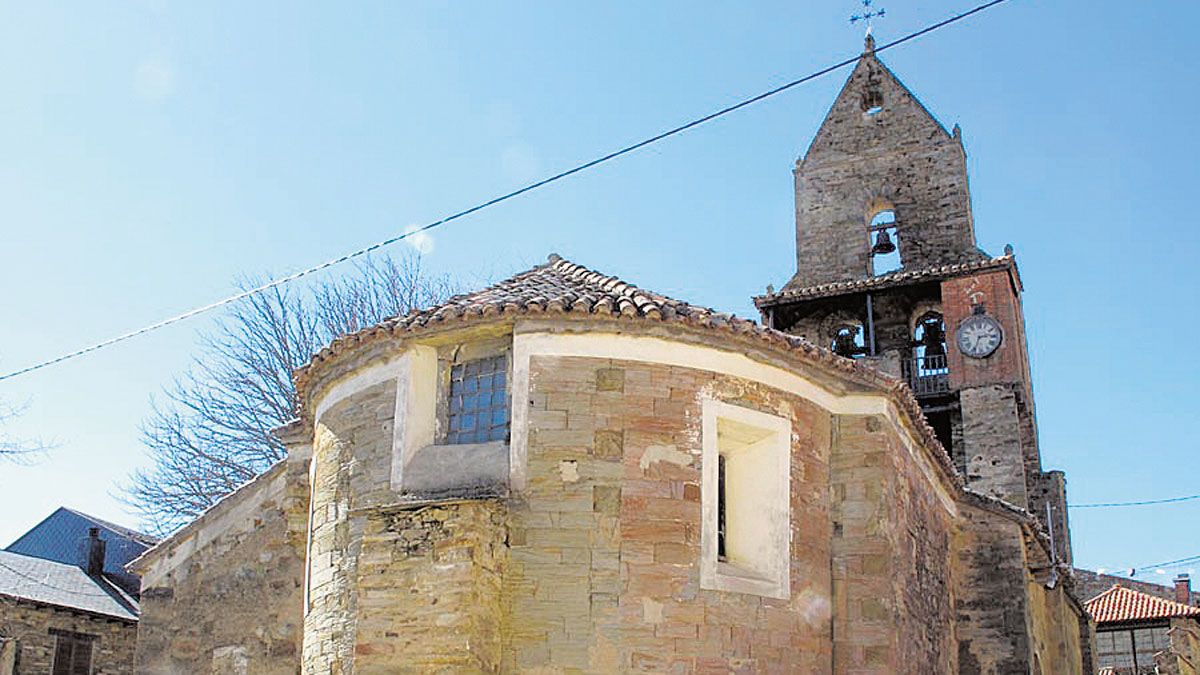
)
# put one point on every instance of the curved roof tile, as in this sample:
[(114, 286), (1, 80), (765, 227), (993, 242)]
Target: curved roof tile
[(1119, 604)]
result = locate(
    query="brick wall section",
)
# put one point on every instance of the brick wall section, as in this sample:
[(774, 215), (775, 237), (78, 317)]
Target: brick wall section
[(352, 454), (429, 589), (891, 557), (30, 625), (900, 155), (235, 602), (1009, 363)]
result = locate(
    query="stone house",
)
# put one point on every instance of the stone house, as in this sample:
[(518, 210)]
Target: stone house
[(565, 472), (1138, 633), (64, 618)]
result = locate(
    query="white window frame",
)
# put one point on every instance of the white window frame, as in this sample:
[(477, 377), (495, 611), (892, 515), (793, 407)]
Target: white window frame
[(757, 450)]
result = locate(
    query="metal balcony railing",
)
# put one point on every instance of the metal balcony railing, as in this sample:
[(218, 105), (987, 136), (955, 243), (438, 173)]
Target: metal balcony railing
[(927, 375)]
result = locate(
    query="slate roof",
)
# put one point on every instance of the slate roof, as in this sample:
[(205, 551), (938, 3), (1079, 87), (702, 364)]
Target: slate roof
[(1119, 604), (897, 278), (53, 583), (62, 537), (139, 537)]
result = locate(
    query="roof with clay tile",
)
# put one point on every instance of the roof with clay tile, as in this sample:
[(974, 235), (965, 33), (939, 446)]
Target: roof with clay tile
[(561, 287), (898, 278), (1119, 604)]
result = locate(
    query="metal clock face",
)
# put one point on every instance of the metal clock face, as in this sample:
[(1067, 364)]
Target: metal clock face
[(979, 336)]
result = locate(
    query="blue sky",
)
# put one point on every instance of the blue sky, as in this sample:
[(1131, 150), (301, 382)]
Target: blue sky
[(150, 152)]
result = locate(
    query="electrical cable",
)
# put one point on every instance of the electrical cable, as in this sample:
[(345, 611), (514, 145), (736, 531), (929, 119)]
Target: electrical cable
[(491, 202), (1147, 502)]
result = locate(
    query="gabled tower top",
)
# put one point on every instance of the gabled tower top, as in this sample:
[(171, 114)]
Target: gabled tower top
[(880, 157)]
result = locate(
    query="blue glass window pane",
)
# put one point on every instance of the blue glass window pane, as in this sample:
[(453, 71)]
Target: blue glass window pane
[(478, 405)]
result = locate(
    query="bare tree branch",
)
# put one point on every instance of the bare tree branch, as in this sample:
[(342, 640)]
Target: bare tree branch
[(213, 430), (15, 449)]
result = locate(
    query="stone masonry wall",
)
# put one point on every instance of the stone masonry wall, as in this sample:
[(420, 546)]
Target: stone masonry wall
[(1055, 635), (232, 602), (604, 573), (992, 443), (595, 565), (858, 162), (993, 633), (429, 589), (894, 604), (30, 625), (352, 453)]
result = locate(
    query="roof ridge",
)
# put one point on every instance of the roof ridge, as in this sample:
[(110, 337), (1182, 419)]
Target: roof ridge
[(127, 532), (929, 272), (1121, 603)]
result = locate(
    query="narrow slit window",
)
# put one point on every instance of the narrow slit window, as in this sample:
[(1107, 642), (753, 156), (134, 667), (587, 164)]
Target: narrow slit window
[(478, 410), (721, 508)]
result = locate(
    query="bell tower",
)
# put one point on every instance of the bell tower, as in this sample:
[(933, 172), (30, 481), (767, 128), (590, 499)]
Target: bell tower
[(880, 152), (888, 271)]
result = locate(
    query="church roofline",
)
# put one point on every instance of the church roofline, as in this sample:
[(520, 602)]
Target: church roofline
[(544, 292), (898, 278)]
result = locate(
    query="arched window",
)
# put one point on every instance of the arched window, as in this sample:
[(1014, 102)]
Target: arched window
[(929, 336), (884, 241), (848, 341), (927, 372)]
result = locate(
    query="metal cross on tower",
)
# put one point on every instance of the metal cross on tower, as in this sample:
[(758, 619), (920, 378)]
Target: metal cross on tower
[(868, 14)]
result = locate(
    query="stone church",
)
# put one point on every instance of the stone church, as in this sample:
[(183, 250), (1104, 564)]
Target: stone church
[(565, 472)]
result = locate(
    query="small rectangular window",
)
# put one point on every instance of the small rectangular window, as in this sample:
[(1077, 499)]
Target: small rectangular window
[(72, 653), (478, 410), (745, 496)]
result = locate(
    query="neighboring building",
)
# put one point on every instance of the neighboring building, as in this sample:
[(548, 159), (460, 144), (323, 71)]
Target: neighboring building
[(63, 536), (564, 472), (1089, 584), (1142, 634), (62, 618)]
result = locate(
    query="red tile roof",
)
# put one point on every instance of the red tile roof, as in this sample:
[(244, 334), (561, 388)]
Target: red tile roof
[(1125, 604)]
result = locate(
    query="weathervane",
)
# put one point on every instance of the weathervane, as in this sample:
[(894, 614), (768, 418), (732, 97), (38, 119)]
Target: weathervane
[(867, 14)]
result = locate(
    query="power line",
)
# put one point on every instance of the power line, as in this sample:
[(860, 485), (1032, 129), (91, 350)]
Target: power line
[(491, 202), (1147, 502), (1168, 564)]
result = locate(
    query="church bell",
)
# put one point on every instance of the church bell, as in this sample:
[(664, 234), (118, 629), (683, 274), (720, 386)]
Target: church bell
[(883, 244)]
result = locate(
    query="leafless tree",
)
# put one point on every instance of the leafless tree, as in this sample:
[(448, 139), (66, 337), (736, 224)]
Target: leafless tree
[(212, 431), (13, 448)]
